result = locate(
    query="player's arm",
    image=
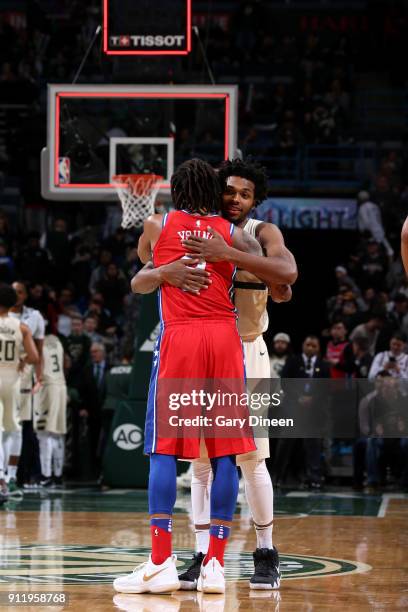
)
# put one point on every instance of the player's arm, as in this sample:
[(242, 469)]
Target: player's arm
[(178, 274), (404, 245), (151, 232), (32, 357), (273, 245), (246, 253), (39, 366)]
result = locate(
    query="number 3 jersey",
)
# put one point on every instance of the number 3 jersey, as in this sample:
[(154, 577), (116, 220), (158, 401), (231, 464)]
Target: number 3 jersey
[(53, 361), (11, 345), (177, 305)]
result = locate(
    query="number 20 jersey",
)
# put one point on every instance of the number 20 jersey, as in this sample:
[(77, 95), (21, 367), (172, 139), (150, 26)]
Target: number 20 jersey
[(212, 303), (11, 344)]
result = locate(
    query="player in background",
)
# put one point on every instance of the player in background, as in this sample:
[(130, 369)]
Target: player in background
[(404, 245), (51, 413), (199, 339), (244, 185), (31, 381), (17, 349)]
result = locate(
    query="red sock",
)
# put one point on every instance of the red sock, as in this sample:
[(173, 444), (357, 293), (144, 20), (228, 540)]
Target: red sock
[(160, 530), (218, 541)]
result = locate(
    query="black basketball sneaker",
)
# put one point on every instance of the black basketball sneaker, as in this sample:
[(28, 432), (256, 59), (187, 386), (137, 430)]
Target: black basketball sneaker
[(267, 574), (188, 580)]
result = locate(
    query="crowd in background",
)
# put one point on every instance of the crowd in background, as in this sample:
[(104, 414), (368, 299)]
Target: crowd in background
[(79, 278)]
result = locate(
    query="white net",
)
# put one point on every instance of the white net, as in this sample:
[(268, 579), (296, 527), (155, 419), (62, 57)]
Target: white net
[(137, 194)]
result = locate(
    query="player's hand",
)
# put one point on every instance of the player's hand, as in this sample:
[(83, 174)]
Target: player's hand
[(280, 293), (214, 249), (36, 387), (21, 365), (182, 274)]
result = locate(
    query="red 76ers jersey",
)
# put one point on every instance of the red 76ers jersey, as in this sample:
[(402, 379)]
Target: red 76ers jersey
[(212, 303)]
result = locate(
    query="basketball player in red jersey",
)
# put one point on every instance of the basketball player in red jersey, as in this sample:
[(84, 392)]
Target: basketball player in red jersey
[(244, 186), (404, 245), (198, 339)]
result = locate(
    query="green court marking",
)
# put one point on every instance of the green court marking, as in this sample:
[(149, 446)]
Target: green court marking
[(93, 500), (61, 565)]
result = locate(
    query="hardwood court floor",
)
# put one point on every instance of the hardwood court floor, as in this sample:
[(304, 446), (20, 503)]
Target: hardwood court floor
[(338, 552)]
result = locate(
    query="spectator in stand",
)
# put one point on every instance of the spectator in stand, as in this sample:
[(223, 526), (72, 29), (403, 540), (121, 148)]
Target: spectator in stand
[(335, 349), (113, 286), (6, 264), (308, 364), (357, 359), (372, 267), (96, 392), (369, 221), (90, 329), (105, 258), (357, 362), (97, 308), (63, 309), (279, 354), (369, 330), (38, 298), (132, 264), (398, 315), (344, 279), (117, 245), (394, 361), (80, 269), (34, 262), (335, 304), (78, 346), (383, 413), (57, 242)]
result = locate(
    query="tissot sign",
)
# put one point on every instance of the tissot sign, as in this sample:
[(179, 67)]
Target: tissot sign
[(146, 28)]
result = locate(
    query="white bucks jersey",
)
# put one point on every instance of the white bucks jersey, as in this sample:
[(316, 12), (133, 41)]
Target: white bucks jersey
[(53, 354), (11, 343), (250, 298)]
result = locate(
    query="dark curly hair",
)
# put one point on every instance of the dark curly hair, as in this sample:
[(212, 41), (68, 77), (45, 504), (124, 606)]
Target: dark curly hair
[(247, 169), (195, 187), (8, 297)]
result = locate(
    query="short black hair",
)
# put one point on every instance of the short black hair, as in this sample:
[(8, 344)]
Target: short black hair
[(397, 335), (247, 169), (195, 187), (8, 297)]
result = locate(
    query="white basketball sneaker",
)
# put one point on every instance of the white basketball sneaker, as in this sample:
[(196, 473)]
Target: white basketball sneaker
[(211, 578), (150, 578)]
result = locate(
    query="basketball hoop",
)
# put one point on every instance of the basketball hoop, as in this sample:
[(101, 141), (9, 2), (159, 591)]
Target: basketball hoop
[(137, 194)]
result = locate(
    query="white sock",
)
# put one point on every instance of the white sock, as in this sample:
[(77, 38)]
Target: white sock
[(259, 493), (200, 502), (45, 442), (16, 443), (264, 536), (58, 453), (202, 537), (7, 440)]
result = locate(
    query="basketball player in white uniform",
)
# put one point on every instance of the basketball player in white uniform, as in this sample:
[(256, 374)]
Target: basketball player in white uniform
[(51, 412), (244, 186), (31, 379), (16, 350)]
